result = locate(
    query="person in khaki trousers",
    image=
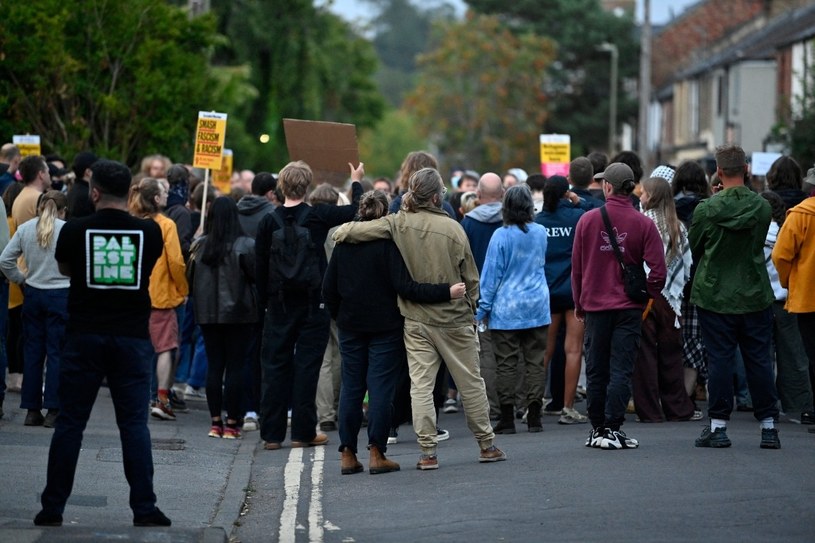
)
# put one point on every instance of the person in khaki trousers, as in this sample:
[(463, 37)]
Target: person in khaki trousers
[(436, 250)]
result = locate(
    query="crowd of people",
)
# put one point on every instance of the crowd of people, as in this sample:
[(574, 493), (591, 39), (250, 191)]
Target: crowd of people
[(299, 310)]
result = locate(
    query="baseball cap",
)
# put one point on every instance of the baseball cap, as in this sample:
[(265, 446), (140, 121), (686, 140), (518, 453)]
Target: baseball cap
[(617, 174)]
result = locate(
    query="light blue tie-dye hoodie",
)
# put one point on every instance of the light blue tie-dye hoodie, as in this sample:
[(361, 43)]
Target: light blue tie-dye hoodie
[(514, 293)]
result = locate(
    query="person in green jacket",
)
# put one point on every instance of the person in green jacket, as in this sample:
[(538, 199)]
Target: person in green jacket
[(732, 290)]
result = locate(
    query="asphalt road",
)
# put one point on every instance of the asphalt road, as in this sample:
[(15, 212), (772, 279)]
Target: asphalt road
[(550, 488)]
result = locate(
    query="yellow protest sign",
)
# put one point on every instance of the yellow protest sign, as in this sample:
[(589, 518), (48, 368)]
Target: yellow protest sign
[(555, 148), (28, 144), (210, 134), (222, 178)]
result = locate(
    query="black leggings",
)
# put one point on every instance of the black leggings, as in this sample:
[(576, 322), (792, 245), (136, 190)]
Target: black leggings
[(226, 346)]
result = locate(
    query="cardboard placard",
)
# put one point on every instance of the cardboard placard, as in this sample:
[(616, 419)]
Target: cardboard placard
[(326, 147)]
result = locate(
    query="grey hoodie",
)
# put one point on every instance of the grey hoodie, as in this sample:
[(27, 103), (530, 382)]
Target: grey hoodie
[(251, 210), (479, 225)]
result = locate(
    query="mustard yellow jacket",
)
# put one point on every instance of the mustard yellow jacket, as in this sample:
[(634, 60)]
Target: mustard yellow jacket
[(168, 282), (794, 257)]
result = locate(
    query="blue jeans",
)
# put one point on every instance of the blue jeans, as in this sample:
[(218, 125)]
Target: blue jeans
[(186, 328), (371, 362), (45, 312), (612, 342), (752, 333), (125, 362), (295, 336), (198, 369)]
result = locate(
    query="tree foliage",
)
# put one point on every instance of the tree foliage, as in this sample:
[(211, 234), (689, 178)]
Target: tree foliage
[(123, 77), (402, 31), (304, 63), (578, 81), (383, 147), (480, 95)]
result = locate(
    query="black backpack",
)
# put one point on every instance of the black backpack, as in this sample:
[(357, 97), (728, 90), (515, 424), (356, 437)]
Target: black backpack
[(294, 263)]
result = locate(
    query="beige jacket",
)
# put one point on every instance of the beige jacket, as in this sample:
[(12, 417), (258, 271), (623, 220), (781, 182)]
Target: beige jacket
[(435, 250)]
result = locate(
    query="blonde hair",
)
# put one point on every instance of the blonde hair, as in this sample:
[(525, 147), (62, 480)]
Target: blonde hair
[(660, 198), (423, 186), (142, 199), (295, 179), (147, 162), (51, 205), (469, 201)]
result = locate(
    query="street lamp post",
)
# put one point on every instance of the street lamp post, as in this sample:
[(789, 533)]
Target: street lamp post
[(612, 106)]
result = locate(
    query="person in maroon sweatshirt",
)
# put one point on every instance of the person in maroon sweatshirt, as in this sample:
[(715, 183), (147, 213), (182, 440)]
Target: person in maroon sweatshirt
[(613, 320)]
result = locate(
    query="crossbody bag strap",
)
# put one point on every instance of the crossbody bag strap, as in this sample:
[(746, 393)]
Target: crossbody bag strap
[(611, 237)]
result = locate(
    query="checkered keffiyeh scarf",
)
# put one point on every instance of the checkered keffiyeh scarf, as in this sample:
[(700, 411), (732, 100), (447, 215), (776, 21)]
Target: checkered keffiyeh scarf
[(678, 266)]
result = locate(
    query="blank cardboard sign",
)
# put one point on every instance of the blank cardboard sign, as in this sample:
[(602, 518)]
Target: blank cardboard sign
[(326, 147)]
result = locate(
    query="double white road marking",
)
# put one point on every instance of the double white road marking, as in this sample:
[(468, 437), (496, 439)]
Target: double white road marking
[(292, 477)]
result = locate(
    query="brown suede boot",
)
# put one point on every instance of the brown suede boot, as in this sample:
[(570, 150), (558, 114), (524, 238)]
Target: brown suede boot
[(349, 463), (380, 464)]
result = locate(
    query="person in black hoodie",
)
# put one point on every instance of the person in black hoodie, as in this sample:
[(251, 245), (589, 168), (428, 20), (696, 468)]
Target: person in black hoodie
[(786, 179), (179, 179), (360, 290), (79, 200), (253, 207)]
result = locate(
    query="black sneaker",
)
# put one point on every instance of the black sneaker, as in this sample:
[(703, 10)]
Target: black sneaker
[(50, 418), (156, 518), (442, 435), (617, 440), (34, 418), (769, 438), (328, 426), (178, 405), (808, 417), (595, 438), (44, 518), (716, 439)]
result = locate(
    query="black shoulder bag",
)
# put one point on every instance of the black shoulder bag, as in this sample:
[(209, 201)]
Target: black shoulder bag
[(634, 280)]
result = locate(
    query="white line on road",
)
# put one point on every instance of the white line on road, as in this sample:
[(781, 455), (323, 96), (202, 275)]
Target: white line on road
[(291, 485), (315, 512)]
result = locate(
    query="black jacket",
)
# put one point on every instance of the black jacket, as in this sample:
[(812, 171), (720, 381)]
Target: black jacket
[(79, 200), (362, 282), (224, 294)]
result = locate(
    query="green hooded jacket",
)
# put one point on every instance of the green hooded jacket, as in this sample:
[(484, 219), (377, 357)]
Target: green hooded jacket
[(727, 241)]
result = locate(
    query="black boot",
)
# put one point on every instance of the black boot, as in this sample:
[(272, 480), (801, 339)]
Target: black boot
[(507, 423), (533, 417)]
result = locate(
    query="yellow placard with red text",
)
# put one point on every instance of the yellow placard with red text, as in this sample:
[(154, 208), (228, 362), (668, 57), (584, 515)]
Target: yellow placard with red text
[(222, 178), (210, 134)]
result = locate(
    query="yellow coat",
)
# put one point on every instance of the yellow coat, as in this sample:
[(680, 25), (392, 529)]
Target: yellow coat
[(794, 257), (168, 281)]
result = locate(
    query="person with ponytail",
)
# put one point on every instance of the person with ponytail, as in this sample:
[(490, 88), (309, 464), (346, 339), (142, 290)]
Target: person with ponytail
[(658, 380), (45, 308), (360, 290), (560, 214), (168, 287)]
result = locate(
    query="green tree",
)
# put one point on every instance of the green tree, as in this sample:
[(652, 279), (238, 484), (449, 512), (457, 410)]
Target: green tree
[(480, 95), (384, 147), (578, 81), (123, 77), (304, 63), (402, 31)]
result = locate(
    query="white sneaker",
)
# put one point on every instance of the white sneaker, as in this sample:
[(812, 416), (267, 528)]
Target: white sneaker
[(250, 422), (616, 440), (572, 416), (450, 406), (191, 393)]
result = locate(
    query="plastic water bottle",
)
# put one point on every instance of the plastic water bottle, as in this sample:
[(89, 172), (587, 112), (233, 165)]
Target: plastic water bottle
[(482, 326)]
